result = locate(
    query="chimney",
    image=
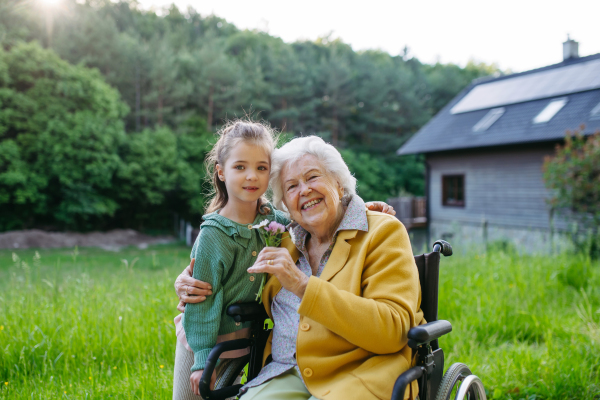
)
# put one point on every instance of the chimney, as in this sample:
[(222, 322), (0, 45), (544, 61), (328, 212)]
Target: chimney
[(570, 49)]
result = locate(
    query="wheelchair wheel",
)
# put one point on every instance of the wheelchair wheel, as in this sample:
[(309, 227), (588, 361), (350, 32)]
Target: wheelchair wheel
[(230, 370), (456, 373)]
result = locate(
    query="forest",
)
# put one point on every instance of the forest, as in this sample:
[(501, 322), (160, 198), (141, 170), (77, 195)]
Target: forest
[(107, 110)]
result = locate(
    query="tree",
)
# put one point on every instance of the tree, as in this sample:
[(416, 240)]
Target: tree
[(573, 174), (168, 89), (215, 79), (188, 198), (61, 126), (65, 162), (147, 175), (379, 178), (336, 90), (18, 23)]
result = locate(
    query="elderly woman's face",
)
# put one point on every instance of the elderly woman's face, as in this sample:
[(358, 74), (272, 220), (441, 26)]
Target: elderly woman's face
[(310, 194)]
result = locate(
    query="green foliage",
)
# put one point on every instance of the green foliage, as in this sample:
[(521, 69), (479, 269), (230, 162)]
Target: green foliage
[(66, 316), (380, 178), (148, 173), (573, 175), (66, 161), (74, 135), (192, 146), (60, 126)]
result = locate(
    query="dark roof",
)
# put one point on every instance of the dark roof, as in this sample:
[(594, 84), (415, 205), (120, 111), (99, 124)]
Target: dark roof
[(451, 131)]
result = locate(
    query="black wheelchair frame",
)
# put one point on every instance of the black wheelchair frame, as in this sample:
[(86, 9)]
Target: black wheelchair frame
[(423, 339)]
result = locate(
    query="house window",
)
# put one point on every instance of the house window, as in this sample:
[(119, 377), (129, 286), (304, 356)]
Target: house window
[(595, 113), (453, 190), (488, 119), (550, 110)]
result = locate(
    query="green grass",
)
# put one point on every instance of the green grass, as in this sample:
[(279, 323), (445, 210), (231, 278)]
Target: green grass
[(90, 325), (528, 326), (96, 327)]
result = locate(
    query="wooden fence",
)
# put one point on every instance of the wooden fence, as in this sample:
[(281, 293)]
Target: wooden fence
[(411, 211)]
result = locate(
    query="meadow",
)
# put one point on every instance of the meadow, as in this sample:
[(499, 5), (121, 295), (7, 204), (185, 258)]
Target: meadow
[(94, 324)]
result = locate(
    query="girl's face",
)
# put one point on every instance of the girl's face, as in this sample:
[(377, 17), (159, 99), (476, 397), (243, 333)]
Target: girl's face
[(245, 173)]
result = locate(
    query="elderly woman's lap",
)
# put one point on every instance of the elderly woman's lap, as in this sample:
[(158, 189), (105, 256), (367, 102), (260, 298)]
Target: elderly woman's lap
[(288, 386)]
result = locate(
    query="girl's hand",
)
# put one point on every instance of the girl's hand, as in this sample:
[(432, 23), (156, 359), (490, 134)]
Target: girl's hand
[(195, 381), (277, 261), (190, 290), (380, 206)]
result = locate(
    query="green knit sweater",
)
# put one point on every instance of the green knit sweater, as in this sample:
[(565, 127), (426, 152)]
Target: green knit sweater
[(224, 250)]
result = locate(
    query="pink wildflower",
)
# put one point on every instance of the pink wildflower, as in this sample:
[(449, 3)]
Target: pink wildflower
[(275, 228)]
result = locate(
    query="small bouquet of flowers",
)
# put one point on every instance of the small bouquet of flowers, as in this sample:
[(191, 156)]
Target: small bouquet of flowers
[(273, 233)]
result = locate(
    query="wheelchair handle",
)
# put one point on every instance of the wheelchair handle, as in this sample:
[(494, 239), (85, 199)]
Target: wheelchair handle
[(247, 312), (211, 363), (441, 246)]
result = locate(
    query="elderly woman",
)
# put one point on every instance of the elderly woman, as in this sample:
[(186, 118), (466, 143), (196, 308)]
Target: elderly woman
[(343, 293)]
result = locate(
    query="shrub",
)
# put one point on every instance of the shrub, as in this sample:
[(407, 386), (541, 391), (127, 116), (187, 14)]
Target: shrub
[(573, 174)]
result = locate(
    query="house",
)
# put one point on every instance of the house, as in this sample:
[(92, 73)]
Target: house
[(484, 153)]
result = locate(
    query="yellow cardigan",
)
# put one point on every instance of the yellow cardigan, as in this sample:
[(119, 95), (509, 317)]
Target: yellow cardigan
[(354, 319)]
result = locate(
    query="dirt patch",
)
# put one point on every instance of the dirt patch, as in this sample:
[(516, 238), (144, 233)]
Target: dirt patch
[(111, 240)]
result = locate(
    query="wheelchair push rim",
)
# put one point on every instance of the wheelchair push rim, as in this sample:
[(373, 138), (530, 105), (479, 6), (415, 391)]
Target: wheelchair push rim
[(454, 376)]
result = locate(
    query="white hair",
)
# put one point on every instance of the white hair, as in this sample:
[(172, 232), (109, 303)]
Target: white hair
[(331, 160)]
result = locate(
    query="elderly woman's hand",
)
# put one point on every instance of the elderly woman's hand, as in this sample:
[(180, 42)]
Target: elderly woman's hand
[(381, 207), (190, 290), (277, 261)]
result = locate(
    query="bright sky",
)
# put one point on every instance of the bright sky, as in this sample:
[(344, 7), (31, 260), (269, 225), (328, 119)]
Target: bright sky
[(517, 35)]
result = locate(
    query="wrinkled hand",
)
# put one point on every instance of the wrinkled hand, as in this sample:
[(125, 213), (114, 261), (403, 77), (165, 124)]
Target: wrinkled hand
[(380, 206), (190, 290), (283, 267), (195, 381)]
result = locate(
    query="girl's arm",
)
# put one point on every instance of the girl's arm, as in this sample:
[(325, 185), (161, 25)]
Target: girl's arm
[(202, 320)]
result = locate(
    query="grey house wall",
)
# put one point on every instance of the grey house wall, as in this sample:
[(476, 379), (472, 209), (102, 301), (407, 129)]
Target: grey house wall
[(505, 199)]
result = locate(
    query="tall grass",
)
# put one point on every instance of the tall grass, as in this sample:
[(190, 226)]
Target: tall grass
[(529, 326), (89, 325), (94, 324)]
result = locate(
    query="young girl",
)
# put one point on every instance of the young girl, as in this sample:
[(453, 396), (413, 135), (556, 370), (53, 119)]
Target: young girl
[(227, 246)]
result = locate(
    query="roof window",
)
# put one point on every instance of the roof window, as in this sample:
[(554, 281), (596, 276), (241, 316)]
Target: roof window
[(488, 119), (595, 113), (550, 110)]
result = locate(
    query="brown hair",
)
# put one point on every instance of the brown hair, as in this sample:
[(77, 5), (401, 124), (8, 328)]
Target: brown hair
[(232, 133)]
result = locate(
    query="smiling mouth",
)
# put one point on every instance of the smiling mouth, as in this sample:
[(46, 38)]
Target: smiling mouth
[(311, 204)]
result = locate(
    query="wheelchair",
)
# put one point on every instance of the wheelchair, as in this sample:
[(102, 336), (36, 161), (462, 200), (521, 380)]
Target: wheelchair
[(423, 339)]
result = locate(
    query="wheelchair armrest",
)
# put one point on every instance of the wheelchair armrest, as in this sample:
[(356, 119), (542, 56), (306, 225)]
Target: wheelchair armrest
[(427, 333), (404, 380), (211, 363), (244, 312)]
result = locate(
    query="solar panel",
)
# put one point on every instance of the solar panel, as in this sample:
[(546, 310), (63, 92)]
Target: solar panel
[(488, 119), (537, 85)]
